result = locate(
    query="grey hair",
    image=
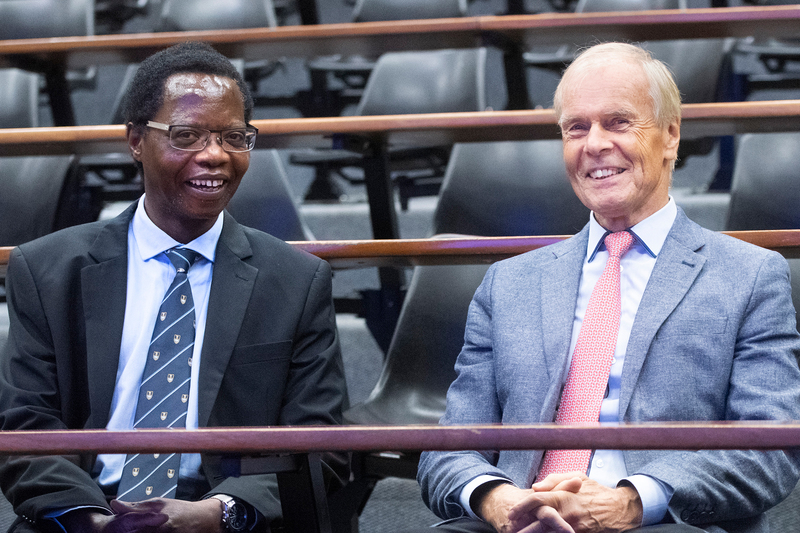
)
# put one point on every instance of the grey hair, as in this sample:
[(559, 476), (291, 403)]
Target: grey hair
[(663, 91)]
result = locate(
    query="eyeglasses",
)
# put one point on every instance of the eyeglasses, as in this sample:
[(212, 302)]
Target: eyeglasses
[(193, 139)]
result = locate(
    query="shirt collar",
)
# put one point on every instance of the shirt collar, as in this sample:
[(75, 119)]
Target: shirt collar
[(649, 234), (151, 240)]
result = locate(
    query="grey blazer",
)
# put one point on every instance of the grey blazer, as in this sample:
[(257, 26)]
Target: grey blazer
[(714, 339)]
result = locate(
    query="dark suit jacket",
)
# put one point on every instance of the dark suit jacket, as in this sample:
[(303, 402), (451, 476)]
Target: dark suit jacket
[(270, 355), (714, 338)]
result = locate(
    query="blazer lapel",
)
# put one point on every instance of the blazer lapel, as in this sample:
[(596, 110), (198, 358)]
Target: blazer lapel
[(231, 287), (104, 290), (676, 268), (559, 285), (558, 290)]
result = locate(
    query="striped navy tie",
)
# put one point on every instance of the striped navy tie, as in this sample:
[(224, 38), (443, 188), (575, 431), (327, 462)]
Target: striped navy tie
[(164, 392)]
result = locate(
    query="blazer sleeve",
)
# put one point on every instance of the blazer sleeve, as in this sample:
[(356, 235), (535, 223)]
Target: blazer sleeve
[(30, 399), (471, 399), (764, 384)]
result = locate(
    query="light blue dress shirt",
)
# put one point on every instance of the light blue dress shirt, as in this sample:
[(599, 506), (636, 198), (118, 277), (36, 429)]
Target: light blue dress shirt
[(607, 467), (150, 273)]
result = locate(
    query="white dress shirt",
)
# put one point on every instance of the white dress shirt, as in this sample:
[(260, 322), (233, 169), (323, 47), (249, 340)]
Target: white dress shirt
[(150, 273), (607, 467)]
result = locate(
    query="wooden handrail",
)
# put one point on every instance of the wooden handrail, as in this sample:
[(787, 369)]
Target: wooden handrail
[(378, 37), (643, 436), (434, 129), (468, 250)]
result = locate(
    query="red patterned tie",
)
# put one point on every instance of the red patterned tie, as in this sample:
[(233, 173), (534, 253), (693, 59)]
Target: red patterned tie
[(591, 361)]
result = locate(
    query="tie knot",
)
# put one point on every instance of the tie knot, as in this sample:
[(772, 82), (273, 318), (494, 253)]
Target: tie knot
[(617, 243), (182, 258)]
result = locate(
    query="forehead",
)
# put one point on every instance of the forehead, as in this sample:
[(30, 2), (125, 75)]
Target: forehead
[(606, 88), (186, 91)]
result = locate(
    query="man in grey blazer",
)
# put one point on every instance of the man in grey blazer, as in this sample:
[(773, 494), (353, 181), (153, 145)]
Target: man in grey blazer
[(83, 303), (707, 332)]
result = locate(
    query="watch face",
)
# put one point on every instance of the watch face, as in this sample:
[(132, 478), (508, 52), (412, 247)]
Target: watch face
[(237, 517)]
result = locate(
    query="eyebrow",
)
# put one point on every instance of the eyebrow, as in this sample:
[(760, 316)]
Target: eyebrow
[(619, 113)]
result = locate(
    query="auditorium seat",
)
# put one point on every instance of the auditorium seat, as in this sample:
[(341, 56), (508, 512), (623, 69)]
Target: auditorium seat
[(338, 81), (25, 19), (264, 200), (558, 57), (437, 81), (30, 189), (185, 15), (22, 19), (374, 10), (429, 335), (31, 186), (765, 177), (189, 15), (506, 189), (19, 98)]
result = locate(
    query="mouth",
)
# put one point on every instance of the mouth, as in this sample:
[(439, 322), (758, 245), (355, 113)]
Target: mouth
[(206, 185), (602, 173)]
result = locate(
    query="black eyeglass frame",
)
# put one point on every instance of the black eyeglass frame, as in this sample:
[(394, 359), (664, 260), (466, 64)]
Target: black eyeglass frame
[(250, 136)]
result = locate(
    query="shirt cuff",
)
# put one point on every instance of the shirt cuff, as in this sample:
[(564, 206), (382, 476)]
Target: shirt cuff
[(55, 514), (469, 488), (655, 496)]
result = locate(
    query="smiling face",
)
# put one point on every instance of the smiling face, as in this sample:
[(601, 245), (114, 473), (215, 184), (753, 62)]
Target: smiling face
[(186, 191), (618, 159)]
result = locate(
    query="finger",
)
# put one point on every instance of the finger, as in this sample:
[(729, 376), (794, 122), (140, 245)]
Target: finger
[(550, 517), (572, 484), (551, 481), (136, 522), (549, 520), (120, 507), (527, 506), (153, 505)]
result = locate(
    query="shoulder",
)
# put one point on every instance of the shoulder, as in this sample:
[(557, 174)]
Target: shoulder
[(731, 258), (571, 248), (63, 247), (269, 250), (712, 244), (723, 248)]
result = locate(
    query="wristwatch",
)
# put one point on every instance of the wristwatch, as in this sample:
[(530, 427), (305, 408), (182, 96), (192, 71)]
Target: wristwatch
[(234, 513)]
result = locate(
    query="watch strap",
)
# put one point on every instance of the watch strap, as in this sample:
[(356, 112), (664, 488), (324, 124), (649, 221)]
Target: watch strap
[(227, 502)]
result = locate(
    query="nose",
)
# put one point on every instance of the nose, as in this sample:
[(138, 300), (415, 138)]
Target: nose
[(213, 152), (598, 139)]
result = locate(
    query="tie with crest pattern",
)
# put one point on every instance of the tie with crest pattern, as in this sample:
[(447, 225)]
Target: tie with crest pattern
[(164, 391)]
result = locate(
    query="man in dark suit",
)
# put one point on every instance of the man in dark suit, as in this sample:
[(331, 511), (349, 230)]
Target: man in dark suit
[(83, 303), (703, 329)]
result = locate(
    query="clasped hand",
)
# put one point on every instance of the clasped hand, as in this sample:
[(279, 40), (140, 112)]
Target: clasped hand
[(157, 515), (562, 503)]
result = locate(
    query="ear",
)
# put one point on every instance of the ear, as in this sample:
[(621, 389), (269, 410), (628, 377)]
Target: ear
[(673, 139), (135, 137)]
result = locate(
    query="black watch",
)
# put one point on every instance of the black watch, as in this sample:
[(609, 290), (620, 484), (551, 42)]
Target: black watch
[(234, 513)]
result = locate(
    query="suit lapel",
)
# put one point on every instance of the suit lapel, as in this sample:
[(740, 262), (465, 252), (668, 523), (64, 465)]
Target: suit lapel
[(104, 290), (559, 285), (676, 268), (231, 287), (558, 289)]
